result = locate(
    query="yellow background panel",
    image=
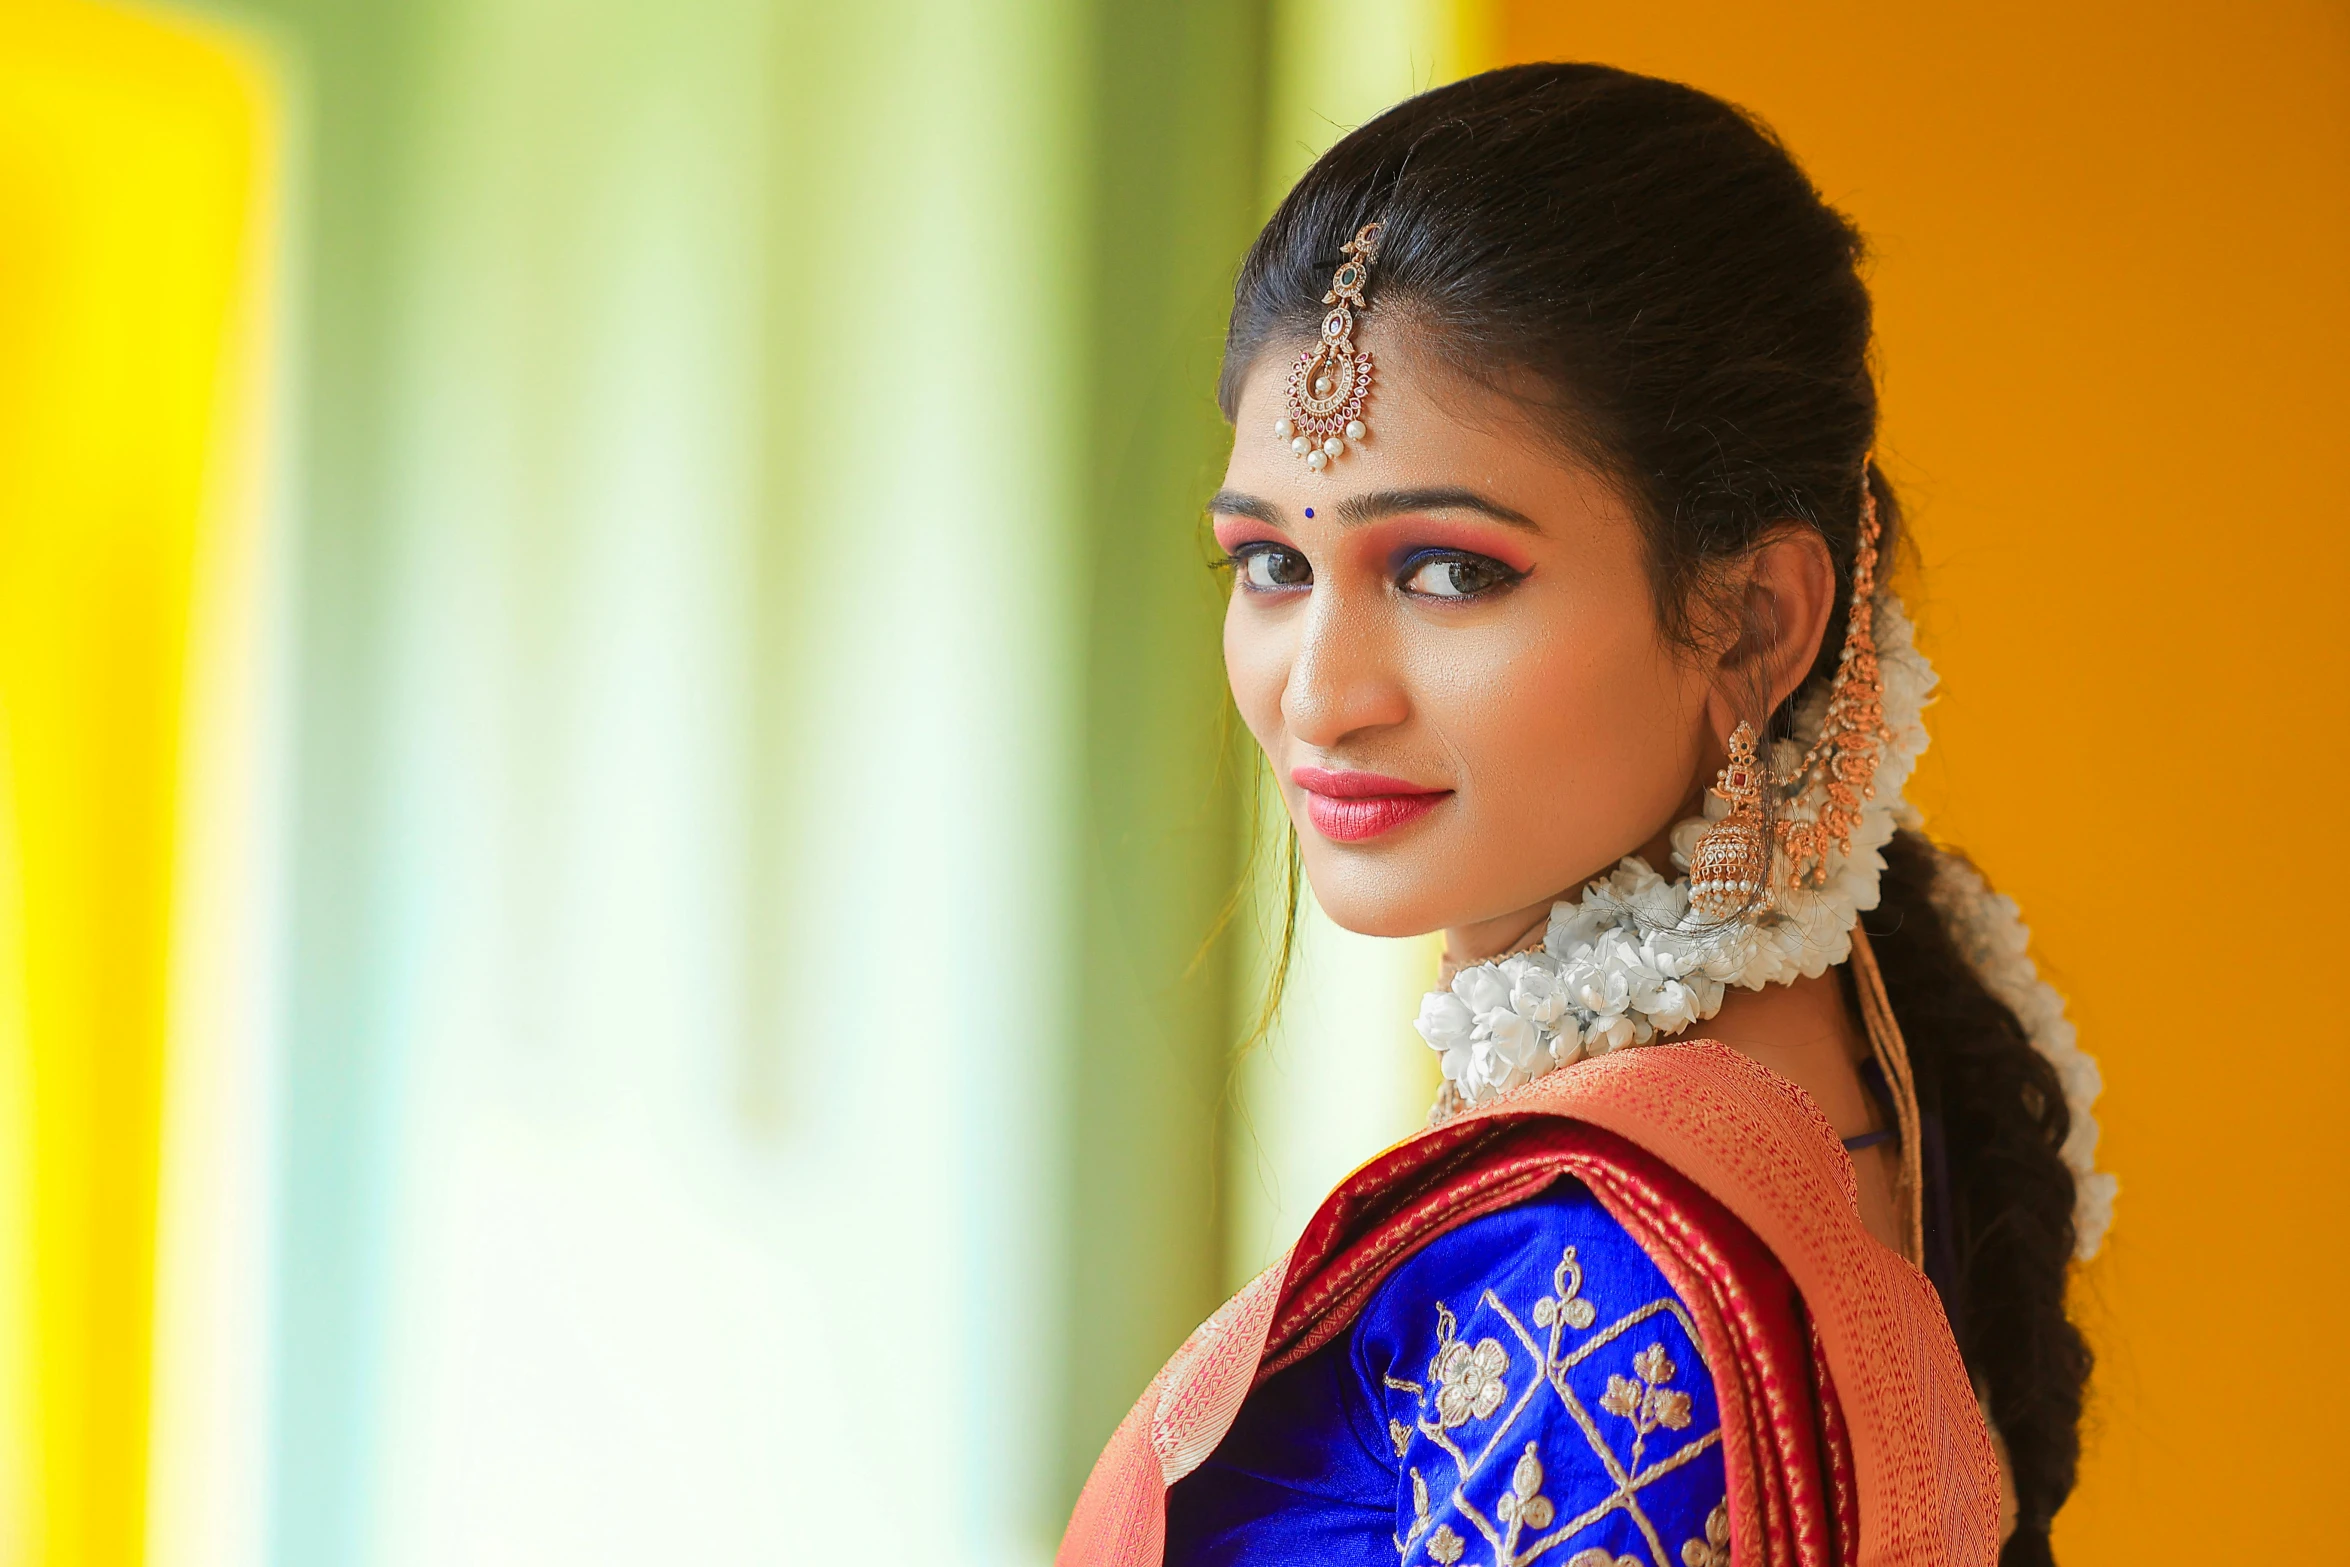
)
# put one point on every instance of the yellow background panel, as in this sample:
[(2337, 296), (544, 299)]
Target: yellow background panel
[(127, 153), (2112, 245)]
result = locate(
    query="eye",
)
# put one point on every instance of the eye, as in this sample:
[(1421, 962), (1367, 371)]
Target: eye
[(1453, 575), (1269, 568)]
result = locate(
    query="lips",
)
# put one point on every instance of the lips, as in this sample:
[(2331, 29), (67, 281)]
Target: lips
[(1350, 806)]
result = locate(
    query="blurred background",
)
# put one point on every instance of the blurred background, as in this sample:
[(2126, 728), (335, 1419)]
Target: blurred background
[(615, 793)]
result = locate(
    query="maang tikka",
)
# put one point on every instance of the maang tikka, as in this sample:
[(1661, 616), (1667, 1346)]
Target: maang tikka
[(1328, 383), (1730, 871)]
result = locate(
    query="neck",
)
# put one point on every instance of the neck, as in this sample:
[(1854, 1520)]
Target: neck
[(1806, 1032), (1505, 933)]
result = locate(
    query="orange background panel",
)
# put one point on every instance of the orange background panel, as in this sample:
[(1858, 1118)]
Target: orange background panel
[(2113, 271)]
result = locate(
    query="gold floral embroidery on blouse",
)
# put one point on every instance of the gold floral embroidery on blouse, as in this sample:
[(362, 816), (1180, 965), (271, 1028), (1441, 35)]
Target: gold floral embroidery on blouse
[(1470, 1384), (1525, 1503), (1568, 1305), (1647, 1403), (1714, 1549)]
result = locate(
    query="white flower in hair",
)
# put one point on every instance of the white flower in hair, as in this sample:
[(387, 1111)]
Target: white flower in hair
[(1989, 930)]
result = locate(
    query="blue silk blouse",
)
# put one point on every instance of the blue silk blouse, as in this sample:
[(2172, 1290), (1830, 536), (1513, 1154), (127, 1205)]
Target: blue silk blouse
[(1524, 1389)]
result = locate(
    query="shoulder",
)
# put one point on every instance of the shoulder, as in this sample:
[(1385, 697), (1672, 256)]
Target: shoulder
[(1526, 1246), (1542, 1387)]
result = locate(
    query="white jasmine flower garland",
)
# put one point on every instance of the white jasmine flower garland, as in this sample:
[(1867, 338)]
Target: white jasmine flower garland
[(1632, 962), (1989, 929)]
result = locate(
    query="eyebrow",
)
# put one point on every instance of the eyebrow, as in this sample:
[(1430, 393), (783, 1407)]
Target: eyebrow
[(1359, 509)]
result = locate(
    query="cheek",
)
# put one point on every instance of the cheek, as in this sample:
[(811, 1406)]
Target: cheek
[(1256, 666), (1576, 732)]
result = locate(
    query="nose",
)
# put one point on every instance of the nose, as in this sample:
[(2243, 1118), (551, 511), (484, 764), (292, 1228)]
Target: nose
[(1343, 680)]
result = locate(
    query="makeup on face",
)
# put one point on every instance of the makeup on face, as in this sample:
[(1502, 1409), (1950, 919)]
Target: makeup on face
[(1472, 607), (1352, 807), (1491, 557)]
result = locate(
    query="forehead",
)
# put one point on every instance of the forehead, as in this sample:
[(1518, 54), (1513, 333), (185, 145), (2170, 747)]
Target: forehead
[(1429, 427)]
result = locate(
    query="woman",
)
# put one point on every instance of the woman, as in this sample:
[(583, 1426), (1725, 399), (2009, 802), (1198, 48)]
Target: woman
[(1741, 1227)]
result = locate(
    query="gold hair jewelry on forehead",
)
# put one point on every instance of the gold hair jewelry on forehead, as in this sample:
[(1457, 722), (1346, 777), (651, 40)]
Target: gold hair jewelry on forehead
[(1328, 383)]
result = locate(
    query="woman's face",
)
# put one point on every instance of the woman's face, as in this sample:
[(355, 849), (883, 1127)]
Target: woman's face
[(1447, 645)]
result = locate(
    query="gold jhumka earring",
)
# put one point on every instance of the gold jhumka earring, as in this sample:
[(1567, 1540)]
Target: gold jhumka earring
[(1730, 871), (1732, 864), (1330, 380)]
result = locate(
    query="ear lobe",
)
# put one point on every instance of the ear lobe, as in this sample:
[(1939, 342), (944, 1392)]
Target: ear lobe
[(1725, 709)]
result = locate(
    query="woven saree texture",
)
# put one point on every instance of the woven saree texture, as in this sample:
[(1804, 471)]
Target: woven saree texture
[(1850, 1432)]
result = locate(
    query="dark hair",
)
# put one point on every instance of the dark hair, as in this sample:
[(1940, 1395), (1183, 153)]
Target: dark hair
[(1648, 269)]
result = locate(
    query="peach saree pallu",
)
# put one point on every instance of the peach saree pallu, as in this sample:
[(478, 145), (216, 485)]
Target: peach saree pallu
[(1848, 1432)]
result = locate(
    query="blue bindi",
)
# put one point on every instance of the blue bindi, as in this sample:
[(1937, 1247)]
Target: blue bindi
[(1309, 511)]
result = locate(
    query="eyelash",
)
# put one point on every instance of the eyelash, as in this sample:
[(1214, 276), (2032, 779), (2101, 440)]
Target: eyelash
[(1239, 560), (1505, 576)]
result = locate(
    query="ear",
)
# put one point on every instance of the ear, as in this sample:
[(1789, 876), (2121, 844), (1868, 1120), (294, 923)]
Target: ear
[(1785, 593)]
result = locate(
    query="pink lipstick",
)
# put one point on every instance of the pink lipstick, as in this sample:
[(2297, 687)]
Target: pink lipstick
[(1349, 807)]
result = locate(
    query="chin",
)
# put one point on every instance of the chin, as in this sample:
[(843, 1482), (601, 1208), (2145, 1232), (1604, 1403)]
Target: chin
[(1380, 895)]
